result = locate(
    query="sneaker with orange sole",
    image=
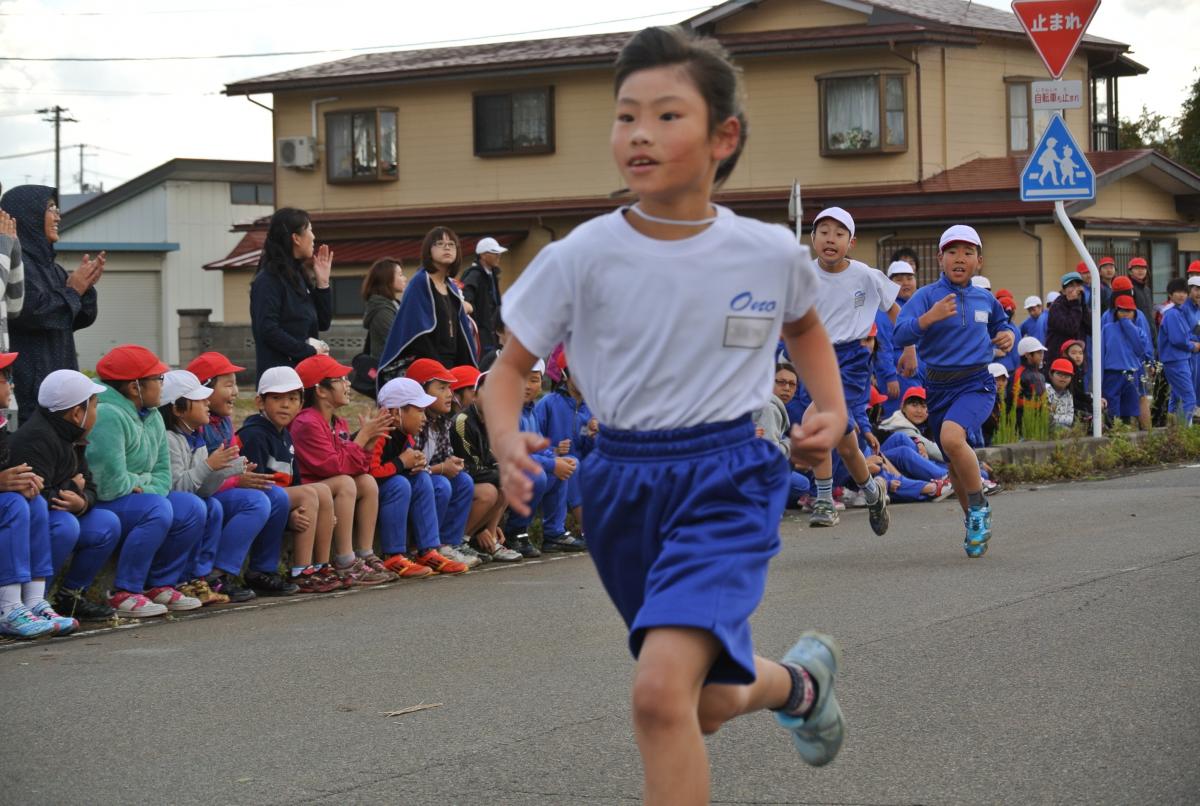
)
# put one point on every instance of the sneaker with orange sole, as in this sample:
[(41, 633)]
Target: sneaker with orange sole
[(440, 564), (406, 568)]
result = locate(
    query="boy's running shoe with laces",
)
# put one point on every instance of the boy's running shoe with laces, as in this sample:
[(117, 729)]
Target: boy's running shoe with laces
[(21, 622), (359, 574), (75, 603), (877, 513), (453, 553), (63, 625), (467, 550), (172, 598), (405, 568), (819, 736), (503, 554), (440, 564), (823, 514), (979, 531), (135, 605), (376, 565)]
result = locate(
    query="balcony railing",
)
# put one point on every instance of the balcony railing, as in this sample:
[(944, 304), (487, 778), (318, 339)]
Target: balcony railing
[(1104, 137)]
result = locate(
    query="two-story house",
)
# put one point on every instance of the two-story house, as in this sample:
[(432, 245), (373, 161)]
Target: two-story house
[(912, 115)]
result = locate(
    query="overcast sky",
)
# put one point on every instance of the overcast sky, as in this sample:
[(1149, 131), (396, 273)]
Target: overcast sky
[(135, 115)]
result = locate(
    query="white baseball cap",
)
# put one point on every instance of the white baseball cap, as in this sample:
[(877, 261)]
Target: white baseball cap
[(280, 380), (1053, 295), (1194, 279), (839, 215), (900, 267), (979, 281), (65, 388), (179, 383), (400, 392), (1029, 344), (998, 370), (1032, 301), (489, 246), (959, 232), (540, 366)]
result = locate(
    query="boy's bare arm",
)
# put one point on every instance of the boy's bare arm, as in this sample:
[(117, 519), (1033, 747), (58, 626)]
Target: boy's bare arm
[(502, 409), (808, 345)]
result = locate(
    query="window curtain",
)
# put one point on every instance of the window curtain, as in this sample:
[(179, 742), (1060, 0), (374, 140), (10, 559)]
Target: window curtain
[(529, 119), (852, 113), (338, 134), (364, 143), (1018, 117)]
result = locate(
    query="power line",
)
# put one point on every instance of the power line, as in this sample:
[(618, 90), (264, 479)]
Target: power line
[(27, 154), (315, 52)]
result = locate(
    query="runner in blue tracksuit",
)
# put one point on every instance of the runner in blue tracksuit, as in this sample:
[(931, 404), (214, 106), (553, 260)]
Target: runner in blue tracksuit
[(956, 327)]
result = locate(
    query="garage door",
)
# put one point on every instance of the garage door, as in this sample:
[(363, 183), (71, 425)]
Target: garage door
[(130, 313)]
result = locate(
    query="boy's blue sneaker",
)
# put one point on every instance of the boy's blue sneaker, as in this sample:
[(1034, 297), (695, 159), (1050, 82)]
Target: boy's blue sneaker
[(979, 530), (819, 736), (21, 622), (62, 624), (565, 542)]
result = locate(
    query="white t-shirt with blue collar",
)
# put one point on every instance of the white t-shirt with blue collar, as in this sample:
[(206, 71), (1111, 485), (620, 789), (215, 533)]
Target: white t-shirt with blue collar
[(665, 334)]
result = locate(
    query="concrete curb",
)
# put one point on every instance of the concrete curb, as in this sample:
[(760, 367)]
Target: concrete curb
[(1041, 452)]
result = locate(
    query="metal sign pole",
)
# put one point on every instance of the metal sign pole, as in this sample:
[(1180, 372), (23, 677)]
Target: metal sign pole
[(1060, 213)]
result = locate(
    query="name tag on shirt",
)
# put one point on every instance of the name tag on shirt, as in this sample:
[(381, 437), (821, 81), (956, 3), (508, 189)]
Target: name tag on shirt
[(981, 316), (748, 332)]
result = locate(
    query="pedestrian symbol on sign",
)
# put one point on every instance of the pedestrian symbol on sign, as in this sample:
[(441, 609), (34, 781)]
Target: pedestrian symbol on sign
[(1057, 168)]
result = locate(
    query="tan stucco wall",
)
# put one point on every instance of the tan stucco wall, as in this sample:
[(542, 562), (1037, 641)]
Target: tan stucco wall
[(1133, 197)]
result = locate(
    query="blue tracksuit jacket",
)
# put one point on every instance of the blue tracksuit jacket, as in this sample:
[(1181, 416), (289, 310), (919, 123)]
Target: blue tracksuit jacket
[(1125, 346), (1178, 333), (965, 339)]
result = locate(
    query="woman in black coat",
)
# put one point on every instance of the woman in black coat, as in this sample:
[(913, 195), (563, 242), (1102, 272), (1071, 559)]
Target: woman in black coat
[(289, 305), (56, 304), (1068, 317)]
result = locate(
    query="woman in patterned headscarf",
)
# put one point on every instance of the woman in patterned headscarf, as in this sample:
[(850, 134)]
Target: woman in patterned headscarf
[(56, 303)]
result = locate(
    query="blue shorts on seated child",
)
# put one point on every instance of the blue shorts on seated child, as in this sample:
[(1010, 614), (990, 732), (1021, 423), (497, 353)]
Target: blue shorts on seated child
[(665, 509)]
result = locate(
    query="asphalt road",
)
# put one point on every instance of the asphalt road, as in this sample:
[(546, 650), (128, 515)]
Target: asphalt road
[(1062, 668)]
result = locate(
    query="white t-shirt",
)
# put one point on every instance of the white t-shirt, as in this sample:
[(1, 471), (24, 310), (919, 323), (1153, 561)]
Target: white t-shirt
[(665, 334), (850, 298)]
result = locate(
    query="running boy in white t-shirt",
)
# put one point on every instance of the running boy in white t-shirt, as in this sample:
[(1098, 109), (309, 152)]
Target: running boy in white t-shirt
[(683, 502), (851, 293)]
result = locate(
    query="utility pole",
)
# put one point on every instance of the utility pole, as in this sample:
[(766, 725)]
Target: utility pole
[(81, 184), (58, 120)]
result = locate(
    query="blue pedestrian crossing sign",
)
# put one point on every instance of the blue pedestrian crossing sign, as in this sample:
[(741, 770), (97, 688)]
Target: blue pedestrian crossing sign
[(1057, 169)]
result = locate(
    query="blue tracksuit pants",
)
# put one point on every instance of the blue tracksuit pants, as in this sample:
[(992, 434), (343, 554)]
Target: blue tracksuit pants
[(1183, 391), (86, 542), (404, 502), (159, 534), (549, 495), (453, 498), (235, 519)]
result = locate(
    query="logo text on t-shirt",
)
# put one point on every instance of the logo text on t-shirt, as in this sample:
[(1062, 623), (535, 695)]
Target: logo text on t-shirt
[(745, 301)]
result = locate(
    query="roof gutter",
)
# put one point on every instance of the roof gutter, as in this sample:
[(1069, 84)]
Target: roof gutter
[(920, 129), (1025, 230)]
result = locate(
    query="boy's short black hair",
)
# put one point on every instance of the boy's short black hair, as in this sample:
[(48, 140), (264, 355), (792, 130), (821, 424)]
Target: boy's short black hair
[(906, 252), (1177, 284)]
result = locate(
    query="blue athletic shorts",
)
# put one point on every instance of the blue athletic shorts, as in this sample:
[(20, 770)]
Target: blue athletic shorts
[(967, 401), (681, 525)]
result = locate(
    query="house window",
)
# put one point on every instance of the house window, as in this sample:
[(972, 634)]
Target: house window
[(361, 145), (347, 297), (519, 122), (926, 250), (251, 193), (1025, 124), (1164, 258), (863, 113)]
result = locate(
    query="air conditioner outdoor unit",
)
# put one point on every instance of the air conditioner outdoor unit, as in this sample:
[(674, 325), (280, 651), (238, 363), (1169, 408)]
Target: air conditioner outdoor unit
[(296, 152)]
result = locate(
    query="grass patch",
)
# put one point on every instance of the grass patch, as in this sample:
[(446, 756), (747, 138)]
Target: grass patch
[(1073, 459)]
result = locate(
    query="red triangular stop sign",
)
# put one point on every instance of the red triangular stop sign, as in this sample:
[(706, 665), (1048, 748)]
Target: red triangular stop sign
[(1056, 27)]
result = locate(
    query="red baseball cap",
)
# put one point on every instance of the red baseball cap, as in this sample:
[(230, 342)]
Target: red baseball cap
[(317, 368), (464, 377), (7, 358), (1083, 269), (1062, 365), (1138, 261), (916, 391), (1063, 350), (1122, 283), (1003, 292), (1194, 267), (424, 370), (129, 362), (1007, 303), (1105, 261), (1125, 303), (877, 397), (207, 366)]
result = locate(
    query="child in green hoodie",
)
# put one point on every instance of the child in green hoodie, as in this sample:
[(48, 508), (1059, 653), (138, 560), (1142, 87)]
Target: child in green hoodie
[(131, 465)]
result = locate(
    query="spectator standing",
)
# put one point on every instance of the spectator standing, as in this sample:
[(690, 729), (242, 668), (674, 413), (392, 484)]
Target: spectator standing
[(1068, 318), (56, 304), (288, 305), (382, 289), (432, 321), (481, 288), (1139, 272)]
